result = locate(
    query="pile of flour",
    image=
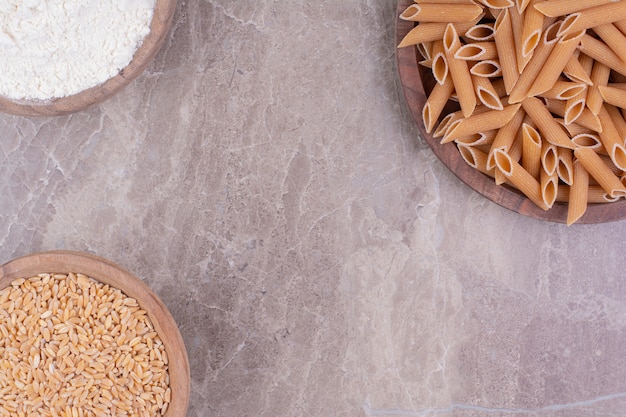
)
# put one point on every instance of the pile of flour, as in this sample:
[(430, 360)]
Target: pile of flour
[(56, 48)]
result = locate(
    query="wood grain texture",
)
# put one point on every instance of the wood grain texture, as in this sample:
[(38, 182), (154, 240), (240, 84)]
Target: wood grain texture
[(159, 28), (107, 272), (416, 83)]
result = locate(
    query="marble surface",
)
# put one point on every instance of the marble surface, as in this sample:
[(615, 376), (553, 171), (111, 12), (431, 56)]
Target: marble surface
[(265, 178)]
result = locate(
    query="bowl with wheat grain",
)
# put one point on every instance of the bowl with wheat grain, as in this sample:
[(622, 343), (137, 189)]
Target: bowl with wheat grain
[(81, 336)]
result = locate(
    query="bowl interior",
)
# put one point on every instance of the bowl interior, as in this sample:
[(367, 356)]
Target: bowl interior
[(416, 85), (159, 28), (107, 272)]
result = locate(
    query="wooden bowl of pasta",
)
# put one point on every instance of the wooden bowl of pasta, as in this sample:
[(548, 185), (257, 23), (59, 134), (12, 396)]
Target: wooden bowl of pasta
[(523, 99), (94, 86), (82, 334)]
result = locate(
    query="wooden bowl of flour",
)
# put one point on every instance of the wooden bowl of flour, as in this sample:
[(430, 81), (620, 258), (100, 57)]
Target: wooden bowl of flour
[(159, 28)]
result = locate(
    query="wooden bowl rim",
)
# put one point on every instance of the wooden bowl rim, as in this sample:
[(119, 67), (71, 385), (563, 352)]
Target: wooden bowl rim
[(103, 270), (159, 28), (415, 97)]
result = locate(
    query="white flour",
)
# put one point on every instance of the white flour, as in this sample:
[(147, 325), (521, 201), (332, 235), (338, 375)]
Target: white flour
[(55, 48)]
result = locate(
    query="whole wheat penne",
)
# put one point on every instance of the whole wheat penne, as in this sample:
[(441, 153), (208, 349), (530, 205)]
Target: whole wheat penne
[(599, 51), (478, 139), (614, 39), (614, 96), (586, 118), (533, 24), (549, 187), (459, 72), (618, 120), (480, 32), (600, 77), (549, 128), (451, 13), (600, 172), (531, 150), (519, 177), (611, 140), (555, 8), (587, 140), (621, 25), (486, 93), (575, 71), (592, 17), (555, 64), (440, 63), (565, 165), (549, 157), (538, 61), (476, 159), (574, 107), (565, 90), (489, 120), (521, 5), (506, 136), (428, 32), (488, 69), (517, 26), (477, 51), (435, 103), (578, 193), (595, 195), (497, 4), (515, 153), (505, 44), (444, 2), (443, 125), (618, 85)]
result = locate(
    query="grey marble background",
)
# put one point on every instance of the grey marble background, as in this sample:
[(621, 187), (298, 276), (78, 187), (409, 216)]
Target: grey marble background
[(265, 178)]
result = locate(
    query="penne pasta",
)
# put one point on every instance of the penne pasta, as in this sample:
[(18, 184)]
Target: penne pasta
[(477, 51), (592, 162), (574, 107), (599, 51), (555, 64), (435, 103), (549, 187), (536, 92), (519, 177), (476, 159), (599, 77), (505, 44), (592, 17), (489, 120), (459, 72), (578, 194), (486, 93), (538, 61), (487, 69), (549, 128), (610, 137), (575, 71), (531, 150), (497, 4), (481, 32), (565, 167), (549, 158), (613, 96), (531, 34), (586, 118), (555, 8), (613, 38), (428, 32), (565, 90), (434, 12), (440, 63)]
